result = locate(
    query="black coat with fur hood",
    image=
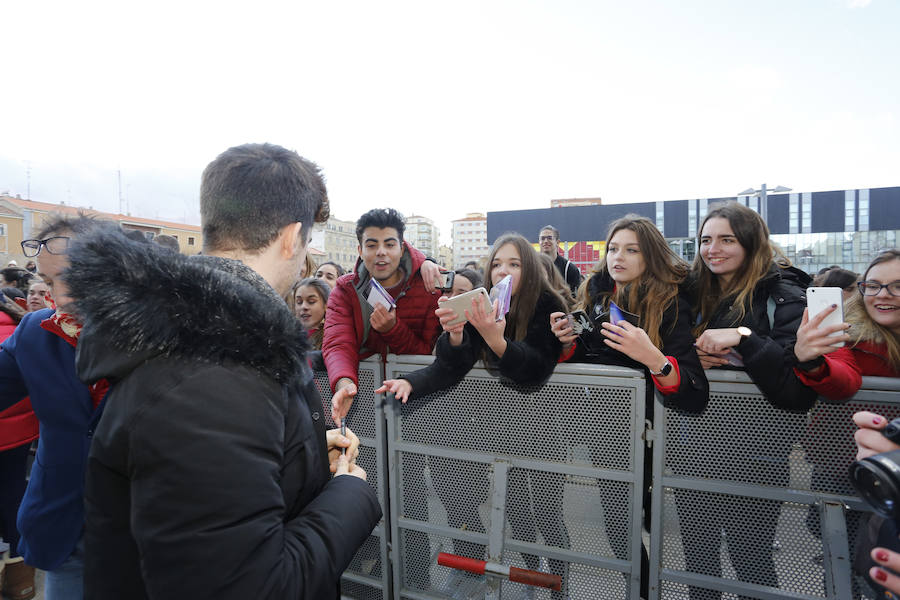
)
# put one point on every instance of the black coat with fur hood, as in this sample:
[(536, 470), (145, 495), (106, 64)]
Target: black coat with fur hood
[(208, 474)]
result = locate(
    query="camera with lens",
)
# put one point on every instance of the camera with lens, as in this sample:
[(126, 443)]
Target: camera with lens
[(877, 478)]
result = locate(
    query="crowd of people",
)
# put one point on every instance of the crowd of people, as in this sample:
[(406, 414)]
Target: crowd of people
[(178, 419)]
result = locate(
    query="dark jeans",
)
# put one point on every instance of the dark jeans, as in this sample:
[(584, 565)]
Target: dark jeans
[(750, 532), (12, 488)]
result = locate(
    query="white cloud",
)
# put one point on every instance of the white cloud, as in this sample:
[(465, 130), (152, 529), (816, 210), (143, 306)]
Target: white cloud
[(858, 3)]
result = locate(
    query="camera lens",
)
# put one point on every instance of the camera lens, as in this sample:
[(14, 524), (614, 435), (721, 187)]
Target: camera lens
[(877, 479)]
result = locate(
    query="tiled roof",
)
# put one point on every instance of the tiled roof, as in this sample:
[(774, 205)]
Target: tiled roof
[(63, 208)]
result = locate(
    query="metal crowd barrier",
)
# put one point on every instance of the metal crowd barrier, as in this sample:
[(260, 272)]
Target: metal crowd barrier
[(368, 576), (748, 501), (542, 478), (754, 501)]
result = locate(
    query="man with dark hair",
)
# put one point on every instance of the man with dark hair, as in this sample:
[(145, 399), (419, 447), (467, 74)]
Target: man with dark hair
[(549, 241), (356, 329), (209, 472)]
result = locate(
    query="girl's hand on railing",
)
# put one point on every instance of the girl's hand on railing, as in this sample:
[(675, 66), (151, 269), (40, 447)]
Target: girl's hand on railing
[(814, 341), (559, 325), (400, 388), (869, 439)]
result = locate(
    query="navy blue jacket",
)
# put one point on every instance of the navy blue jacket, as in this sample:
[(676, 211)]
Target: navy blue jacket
[(35, 362)]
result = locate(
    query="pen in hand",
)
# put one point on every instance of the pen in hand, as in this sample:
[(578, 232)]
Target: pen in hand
[(344, 433)]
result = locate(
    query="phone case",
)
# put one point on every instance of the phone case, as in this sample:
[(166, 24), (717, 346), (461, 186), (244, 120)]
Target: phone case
[(820, 298), (460, 304)]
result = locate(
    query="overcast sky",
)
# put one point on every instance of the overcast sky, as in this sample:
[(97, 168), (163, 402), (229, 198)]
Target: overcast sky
[(446, 108)]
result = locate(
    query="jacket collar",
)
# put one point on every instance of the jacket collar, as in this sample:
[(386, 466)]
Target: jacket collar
[(139, 300)]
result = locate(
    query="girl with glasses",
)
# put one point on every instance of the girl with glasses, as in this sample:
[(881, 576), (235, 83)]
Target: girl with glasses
[(871, 341)]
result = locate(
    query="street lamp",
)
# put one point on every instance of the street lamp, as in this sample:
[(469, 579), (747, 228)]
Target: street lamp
[(763, 194)]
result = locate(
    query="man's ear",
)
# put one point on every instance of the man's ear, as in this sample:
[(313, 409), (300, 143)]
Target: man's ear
[(290, 236)]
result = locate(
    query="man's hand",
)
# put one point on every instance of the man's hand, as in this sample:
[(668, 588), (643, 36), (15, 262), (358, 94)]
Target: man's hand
[(813, 341), (400, 388), (431, 275), (383, 320), (346, 468), (335, 442), (342, 400), (710, 361), (869, 439)]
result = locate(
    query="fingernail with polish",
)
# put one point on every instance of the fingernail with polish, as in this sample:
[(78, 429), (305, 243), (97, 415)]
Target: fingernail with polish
[(876, 420), (879, 575), (881, 556)]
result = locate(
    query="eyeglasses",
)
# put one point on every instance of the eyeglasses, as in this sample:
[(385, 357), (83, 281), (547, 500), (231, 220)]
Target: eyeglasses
[(546, 238), (54, 245), (873, 288)]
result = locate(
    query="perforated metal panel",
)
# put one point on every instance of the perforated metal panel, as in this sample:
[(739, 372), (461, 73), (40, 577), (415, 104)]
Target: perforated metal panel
[(741, 492), (368, 576), (486, 467)]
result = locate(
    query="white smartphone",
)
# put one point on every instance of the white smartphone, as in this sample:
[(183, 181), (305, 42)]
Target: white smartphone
[(820, 298), (460, 304)]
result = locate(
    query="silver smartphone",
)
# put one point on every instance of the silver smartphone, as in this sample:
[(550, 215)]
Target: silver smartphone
[(460, 304), (820, 298)]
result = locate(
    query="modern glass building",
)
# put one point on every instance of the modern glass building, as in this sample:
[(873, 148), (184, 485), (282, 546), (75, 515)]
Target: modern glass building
[(814, 229)]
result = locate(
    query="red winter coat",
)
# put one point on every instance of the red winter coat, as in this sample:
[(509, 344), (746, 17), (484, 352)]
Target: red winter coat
[(348, 337), (18, 424), (842, 373)]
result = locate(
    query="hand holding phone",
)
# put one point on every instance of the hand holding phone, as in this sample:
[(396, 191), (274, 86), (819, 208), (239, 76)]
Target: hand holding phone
[(819, 299)]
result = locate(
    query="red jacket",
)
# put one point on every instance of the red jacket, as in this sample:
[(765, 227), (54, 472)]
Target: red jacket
[(348, 337), (18, 424), (841, 376)]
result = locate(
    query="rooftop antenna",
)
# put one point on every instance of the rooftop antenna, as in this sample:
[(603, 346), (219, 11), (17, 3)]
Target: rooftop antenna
[(121, 199)]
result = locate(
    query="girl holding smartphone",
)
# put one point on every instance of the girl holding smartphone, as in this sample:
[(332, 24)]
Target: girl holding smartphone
[(642, 275), (522, 349), (872, 335)]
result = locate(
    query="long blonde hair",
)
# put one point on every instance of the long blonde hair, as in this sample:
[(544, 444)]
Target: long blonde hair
[(761, 253), (864, 328), (656, 289)]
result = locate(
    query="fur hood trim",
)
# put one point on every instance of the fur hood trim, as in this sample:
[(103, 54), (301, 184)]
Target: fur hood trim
[(144, 300)]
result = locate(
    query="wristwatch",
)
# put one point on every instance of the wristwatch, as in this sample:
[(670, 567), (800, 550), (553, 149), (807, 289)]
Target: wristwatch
[(664, 370), (744, 332)]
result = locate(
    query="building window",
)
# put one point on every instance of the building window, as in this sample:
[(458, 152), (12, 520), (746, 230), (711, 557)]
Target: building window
[(660, 217), (863, 210), (2, 229), (806, 212), (850, 210), (190, 241), (794, 213)]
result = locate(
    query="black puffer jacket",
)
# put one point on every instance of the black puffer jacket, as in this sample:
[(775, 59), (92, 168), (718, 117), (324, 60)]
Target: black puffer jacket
[(527, 362), (677, 342), (208, 474), (768, 354)]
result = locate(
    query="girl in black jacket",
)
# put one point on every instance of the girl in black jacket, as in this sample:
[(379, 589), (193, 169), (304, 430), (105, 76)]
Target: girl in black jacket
[(641, 274), (523, 350), (749, 303)]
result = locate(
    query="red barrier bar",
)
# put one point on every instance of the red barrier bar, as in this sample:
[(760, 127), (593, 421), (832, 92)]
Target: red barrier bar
[(480, 567)]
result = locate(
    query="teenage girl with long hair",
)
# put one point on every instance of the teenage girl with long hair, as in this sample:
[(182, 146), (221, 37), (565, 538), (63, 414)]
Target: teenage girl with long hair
[(871, 337), (521, 348), (749, 301), (642, 275)]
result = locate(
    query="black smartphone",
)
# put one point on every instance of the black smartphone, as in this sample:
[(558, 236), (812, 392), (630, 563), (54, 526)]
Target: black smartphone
[(447, 281)]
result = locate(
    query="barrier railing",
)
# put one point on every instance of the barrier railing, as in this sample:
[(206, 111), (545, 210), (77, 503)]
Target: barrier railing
[(748, 500), (369, 576), (540, 478), (751, 499)]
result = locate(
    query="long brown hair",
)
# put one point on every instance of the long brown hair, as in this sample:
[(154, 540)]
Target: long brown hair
[(322, 290), (555, 278), (532, 283), (657, 287), (761, 253), (864, 328)]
